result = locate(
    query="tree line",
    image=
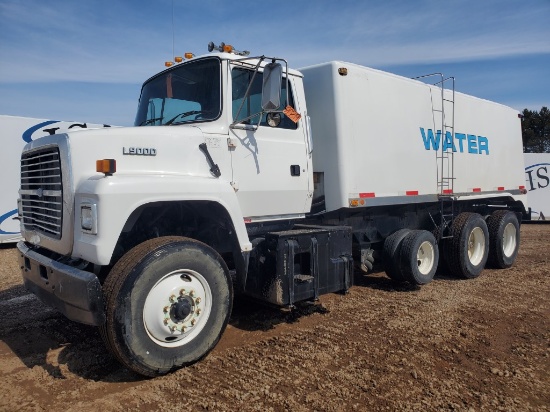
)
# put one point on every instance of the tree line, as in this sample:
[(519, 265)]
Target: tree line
[(535, 130)]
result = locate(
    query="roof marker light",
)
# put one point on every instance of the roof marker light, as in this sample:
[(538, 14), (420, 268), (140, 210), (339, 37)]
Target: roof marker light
[(168, 64), (226, 48), (178, 59), (189, 55)]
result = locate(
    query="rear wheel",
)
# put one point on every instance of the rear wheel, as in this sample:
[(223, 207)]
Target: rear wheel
[(467, 250), (419, 257), (168, 301), (392, 246), (504, 234)]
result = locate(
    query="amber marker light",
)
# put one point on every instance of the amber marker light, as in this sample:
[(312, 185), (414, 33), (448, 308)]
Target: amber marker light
[(189, 55), (178, 59), (168, 64), (107, 166), (227, 48)]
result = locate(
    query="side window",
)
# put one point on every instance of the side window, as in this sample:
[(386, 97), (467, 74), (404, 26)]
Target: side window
[(252, 104)]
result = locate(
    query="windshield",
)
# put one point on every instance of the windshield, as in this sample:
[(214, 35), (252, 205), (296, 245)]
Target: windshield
[(188, 93)]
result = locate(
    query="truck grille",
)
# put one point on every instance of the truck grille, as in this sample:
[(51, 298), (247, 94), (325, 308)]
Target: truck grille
[(42, 191)]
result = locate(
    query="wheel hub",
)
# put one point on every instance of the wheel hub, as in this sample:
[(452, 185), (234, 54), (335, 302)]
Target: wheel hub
[(182, 312)]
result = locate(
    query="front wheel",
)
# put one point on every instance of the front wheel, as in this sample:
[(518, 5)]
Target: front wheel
[(168, 301)]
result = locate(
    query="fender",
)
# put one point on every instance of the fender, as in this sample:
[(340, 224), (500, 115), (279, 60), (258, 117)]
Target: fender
[(116, 197)]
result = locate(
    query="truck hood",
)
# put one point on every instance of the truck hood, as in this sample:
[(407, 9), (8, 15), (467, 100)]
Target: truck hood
[(136, 150)]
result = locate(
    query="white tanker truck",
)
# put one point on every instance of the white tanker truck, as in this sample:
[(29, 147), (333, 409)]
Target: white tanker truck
[(243, 175)]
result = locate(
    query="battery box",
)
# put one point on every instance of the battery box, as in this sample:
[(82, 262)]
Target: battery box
[(301, 264)]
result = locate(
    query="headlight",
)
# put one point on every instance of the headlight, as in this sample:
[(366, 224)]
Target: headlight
[(88, 218)]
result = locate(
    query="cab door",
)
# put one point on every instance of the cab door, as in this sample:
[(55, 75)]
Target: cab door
[(270, 162)]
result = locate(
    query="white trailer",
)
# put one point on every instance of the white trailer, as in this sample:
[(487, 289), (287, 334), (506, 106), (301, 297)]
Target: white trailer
[(241, 174), (15, 133), (537, 181)]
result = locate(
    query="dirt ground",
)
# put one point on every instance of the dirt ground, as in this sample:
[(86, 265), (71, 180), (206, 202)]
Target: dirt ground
[(460, 345)]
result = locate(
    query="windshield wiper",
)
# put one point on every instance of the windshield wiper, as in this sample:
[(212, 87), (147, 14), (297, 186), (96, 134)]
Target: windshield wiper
[(184, 114), (145, 122)]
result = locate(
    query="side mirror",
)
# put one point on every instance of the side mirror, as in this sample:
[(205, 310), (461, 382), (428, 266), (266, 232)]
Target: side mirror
[(271, 87)]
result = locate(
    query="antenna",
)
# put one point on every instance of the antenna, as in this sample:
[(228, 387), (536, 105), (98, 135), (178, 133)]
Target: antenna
[(173, 35)]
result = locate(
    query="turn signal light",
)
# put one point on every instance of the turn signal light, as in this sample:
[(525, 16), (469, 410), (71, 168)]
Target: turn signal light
[(107, 166)]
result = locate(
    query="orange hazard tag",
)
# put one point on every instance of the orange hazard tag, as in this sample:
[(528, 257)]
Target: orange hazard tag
[(292, 114)]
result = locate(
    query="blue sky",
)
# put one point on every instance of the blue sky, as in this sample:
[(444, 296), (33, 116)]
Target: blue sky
[(86, 60)]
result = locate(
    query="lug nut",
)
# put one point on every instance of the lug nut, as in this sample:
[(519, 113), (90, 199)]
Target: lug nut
[(198, 300), (198, 312), (172, 328), (166, 309), (192, 293), (165, 321), (193, 321), (173, 298), (182, 292)]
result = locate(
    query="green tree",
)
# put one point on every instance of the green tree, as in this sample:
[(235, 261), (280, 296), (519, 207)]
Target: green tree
[(536, 130)]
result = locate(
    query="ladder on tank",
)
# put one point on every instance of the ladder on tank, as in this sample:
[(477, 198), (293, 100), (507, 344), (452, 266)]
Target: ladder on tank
[(443, 114)]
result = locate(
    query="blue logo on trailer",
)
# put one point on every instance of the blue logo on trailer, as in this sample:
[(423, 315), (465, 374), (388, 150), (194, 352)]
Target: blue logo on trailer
[(4, 217), (27, 134), (465, 142)]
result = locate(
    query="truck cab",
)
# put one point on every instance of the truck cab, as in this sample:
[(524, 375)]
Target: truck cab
[(144, 231)]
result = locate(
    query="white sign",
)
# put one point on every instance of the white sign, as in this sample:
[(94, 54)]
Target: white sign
[(537, 183)]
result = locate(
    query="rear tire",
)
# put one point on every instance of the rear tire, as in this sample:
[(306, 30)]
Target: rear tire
[(419, 257), (504, 238), (168, 301), (392, 246), (468, 249)]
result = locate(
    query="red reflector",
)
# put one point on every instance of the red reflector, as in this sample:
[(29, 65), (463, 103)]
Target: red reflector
[(521, 187), (411, 192), (447, 191), (500, 188), (370, 194), (247, 220), (476, 189)]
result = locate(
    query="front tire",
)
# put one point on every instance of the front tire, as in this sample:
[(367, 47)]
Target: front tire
[(168, 301), (467, 250)]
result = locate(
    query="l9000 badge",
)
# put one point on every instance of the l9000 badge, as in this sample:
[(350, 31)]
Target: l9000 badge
[(139, 151)]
